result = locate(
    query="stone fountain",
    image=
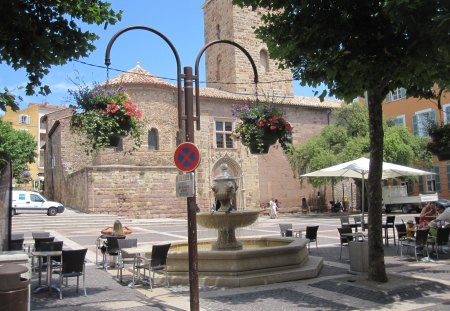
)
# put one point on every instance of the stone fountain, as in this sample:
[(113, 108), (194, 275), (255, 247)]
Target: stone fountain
[(226, 219), (227, 262)]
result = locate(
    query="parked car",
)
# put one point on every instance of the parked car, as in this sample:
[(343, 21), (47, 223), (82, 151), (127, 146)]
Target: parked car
[(30, 202)]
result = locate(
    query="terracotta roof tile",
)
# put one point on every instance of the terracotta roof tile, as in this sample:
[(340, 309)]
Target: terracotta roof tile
[(138, 75)]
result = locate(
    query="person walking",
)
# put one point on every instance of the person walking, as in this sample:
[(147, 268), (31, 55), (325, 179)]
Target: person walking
[(273, 208)]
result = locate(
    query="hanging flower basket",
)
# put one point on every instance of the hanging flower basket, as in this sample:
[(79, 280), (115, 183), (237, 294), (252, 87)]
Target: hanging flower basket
[(262, 126), (440, 141), (104, 115)]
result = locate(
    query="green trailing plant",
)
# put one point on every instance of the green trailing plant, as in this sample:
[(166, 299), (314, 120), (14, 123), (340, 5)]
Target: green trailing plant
[(104, 113), (262, 125)]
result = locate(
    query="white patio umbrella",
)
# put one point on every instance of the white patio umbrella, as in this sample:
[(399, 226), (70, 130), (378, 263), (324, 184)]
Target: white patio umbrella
[(359, 168)]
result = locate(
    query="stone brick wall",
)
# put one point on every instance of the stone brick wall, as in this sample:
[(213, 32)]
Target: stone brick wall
[(237, 24)]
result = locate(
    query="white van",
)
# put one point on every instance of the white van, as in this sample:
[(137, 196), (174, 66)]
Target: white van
[(29, 202)]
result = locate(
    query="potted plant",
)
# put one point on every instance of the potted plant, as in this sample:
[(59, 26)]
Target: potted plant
[(440, 140), (104, 115), (262, 126)]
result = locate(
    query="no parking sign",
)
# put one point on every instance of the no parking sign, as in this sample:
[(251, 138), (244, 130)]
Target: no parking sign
[(187, 157)]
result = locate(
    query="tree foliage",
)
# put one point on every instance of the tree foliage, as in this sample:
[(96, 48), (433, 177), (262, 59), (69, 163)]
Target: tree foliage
[(353, 47), (18, 146), (348, 139), (37, 35)]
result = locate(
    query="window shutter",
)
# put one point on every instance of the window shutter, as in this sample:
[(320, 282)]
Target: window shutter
[(402, 92), (415, 125), (447, 114), (421, 184), (437, 179), (432, 116)]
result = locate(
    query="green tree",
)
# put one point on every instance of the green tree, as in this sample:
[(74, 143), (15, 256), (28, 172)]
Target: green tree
[(18, 146), (37, 35), (357, 46), (348, 139)]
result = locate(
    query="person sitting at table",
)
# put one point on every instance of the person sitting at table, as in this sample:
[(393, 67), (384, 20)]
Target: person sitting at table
[(428, 214), (444, 215), (410, 229), (116, 230)]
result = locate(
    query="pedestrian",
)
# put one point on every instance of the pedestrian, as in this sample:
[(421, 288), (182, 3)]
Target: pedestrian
[(273, 208)]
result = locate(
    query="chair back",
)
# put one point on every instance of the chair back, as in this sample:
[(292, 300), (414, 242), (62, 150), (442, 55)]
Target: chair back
[(40, 234), (417, 220), (401, 230), (284, 229), (345, 239), (51, 246), (421, 237), (390, 220), (16, 244), (126, 243), (357, 219), (442, 236), (113, 245), (17, 236), (159, 255), (73, 260), (344, 220), (311, 232), (39, 241)]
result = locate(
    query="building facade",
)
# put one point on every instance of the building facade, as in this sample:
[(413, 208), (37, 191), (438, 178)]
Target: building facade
[(142, 184), (415, 114), (30, 120)]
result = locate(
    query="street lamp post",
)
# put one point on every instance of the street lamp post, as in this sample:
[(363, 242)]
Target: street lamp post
[(189, 119)]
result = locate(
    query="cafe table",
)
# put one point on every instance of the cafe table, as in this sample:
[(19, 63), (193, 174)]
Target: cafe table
[(49, 255), (137, 252)]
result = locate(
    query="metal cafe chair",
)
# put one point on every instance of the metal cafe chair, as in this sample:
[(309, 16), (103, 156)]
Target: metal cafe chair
[(157, 262)]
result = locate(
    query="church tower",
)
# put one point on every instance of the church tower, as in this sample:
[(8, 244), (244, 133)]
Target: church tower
[(227, 67)]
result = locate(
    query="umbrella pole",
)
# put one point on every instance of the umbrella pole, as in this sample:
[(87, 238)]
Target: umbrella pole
[(362, 205)]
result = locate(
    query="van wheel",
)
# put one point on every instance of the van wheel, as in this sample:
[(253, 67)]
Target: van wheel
[(52, 211), (13, 212)]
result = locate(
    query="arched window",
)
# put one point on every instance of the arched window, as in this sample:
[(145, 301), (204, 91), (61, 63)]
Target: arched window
[(153, 139), (264, 60)]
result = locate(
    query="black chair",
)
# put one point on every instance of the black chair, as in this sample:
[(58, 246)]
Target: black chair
[(16, 245), (37, 246), (419, 244), (55, 261), (441, 239), (401, 234), (111, 249), (358, 222), (344, 239), (286, 230), (156, 263), (345, 221), (72, 265), (311, 234), (124, 258), (43, 234), (17, 236), (389, 224)]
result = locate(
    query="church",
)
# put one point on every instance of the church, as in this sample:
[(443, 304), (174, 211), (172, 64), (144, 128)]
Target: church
[(143, 184)]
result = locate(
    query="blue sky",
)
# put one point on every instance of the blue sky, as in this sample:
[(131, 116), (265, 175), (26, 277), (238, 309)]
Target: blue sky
[(180, 21)]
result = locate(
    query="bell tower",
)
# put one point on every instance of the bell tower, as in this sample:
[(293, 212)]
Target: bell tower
[(227, 68)]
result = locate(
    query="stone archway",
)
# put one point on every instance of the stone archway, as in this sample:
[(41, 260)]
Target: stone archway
[(234, 170)]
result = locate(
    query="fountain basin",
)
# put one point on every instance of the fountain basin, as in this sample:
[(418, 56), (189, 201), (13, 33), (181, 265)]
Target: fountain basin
[(261, 261)]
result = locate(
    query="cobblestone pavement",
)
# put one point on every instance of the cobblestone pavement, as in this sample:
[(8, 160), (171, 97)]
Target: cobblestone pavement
[(412, 285)]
